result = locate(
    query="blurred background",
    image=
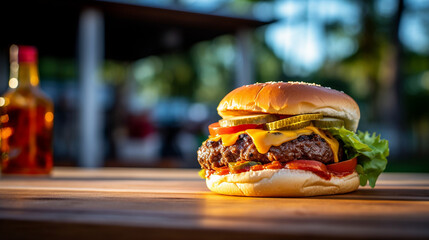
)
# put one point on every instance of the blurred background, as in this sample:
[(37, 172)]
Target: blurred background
[(136, 83)]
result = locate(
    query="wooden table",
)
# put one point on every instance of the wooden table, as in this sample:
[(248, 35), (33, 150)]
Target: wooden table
[(175, 204)]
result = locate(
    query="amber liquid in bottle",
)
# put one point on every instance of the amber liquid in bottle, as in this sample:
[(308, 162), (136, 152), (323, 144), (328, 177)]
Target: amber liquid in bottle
[(26, 122)]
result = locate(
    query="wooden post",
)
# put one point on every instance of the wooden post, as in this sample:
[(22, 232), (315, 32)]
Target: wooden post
[(243, 64), (91, 51)]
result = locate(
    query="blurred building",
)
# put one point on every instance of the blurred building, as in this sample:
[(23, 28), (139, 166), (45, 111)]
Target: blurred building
[(137, 82), (88, 49)]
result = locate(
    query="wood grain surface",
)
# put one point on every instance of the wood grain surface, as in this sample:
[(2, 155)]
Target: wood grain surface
[(175, 204)]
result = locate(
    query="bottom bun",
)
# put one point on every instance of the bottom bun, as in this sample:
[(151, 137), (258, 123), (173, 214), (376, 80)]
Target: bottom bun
[(281, 183)]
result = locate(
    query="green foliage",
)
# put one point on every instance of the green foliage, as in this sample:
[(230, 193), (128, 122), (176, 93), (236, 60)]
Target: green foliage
[(57, 69), (114, 72), (370, 150)]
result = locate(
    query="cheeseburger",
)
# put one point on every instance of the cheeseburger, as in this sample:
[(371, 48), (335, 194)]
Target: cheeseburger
[(289, 139)]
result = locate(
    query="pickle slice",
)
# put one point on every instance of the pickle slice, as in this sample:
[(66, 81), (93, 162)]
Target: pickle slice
[(328, 122), (293, 122), (295, 126), (236, 166), (249, 119)]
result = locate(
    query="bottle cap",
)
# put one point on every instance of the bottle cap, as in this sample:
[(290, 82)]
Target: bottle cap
[(27, 54)]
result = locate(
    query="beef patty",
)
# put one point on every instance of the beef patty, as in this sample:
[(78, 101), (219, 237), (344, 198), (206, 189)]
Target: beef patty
[(212, 154)]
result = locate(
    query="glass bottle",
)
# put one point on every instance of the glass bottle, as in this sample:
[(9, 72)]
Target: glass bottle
[(26, 118)]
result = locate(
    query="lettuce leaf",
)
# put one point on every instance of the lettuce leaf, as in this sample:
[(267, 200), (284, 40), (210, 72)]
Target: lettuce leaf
[(370, 150)]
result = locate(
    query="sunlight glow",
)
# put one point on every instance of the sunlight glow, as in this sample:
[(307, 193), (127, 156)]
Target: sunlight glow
[(13, 83)]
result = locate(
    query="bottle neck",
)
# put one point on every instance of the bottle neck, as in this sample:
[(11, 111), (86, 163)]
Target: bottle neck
[(28, 74)]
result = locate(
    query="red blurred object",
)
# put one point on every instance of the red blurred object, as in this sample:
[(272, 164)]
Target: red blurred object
[(139, 126), (27, 54), (26, 119)]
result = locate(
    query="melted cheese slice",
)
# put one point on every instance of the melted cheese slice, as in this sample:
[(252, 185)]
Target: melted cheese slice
[(264, 140)]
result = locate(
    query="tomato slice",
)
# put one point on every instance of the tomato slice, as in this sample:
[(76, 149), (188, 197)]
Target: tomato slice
[(284, 116), (216, 129), (274, 165), (257, 167), (344, 166), (222, 171), (316, 167), (306, 164)]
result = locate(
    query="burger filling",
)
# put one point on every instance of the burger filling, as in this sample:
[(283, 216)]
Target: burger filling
[(213, 154), (309, 142)]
